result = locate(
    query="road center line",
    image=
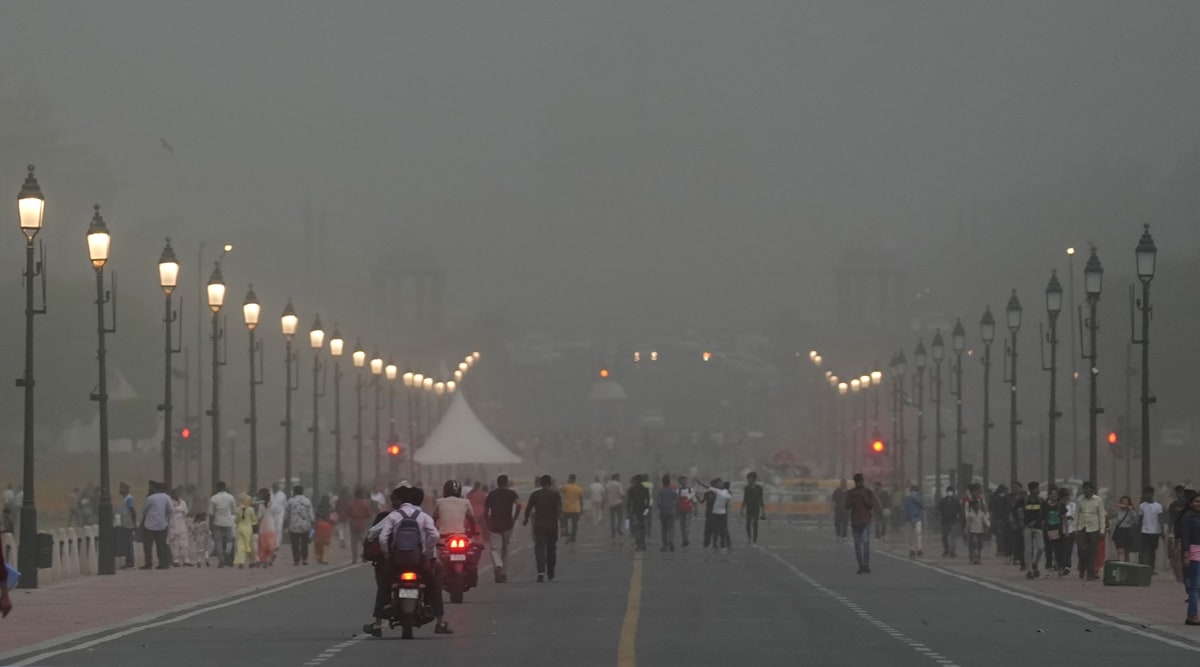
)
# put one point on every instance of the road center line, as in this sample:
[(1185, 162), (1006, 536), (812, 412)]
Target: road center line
[(1046, 603), (626, 647), (920, 648)]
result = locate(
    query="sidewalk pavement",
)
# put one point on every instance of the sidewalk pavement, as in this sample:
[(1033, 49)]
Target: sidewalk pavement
[(89, 604), (1161, 606)]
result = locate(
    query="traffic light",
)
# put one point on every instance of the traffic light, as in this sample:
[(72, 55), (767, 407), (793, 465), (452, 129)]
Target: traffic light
[(394, 449), (878, 446), (185, 433), (1112, 437)]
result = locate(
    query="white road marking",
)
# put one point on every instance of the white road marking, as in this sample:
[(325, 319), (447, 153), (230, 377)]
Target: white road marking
[(863, 614), (1051, 604)]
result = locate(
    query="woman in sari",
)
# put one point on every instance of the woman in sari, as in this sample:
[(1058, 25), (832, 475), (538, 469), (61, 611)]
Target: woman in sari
[(268, 532), (177, 531), (324, 530), (244, 529)]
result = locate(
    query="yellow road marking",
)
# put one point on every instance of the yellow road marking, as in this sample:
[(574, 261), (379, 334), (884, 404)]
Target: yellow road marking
[(626, 647)]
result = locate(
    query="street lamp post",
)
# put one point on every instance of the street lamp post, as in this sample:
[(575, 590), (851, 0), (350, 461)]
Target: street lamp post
[(316, 339), (337, 345), (31, 206), (98, 241), (168, 277), (987, 332), (864, 383), (1093, 277), (1146, 255), (958, 340), (407, 379), (376, 374), (938, 349), (1012, 313), (216, 299), (251, 310), (1054, 298), (843, 388), (359, 358), (427, 407), (919, 359), (390, 371), (1074, 377), (287, 324)]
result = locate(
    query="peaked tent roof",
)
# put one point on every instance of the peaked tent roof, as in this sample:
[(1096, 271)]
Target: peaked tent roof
[(461, 438)]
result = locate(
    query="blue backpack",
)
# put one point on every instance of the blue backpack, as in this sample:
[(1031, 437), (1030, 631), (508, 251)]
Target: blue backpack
[(406, 545)]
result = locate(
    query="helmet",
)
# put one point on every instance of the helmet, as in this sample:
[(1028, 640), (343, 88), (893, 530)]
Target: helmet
[(452, 488)]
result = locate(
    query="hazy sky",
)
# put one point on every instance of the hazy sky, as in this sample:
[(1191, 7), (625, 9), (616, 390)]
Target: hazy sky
[(575, 162)]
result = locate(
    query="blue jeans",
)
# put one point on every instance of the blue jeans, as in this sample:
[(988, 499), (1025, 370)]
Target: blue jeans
[(862, 544), (223, 543), (1193, 580)]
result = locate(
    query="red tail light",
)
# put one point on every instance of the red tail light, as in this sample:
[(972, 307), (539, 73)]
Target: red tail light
[(408, 576), (458, 543)]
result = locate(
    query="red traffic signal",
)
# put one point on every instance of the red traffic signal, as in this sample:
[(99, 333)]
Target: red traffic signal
[(877, 446), (185, 433), (394, 450), (1112, 437)]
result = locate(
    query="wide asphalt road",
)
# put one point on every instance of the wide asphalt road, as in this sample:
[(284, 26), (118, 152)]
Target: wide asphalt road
[(795, 599)]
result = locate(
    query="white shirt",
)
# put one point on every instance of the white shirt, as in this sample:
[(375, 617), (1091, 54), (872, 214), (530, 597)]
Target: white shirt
[(278, 507), (429, 538), (450, 514), (1152, 518), (222, 508), (721, 504), (1070, 516), (596, 492)]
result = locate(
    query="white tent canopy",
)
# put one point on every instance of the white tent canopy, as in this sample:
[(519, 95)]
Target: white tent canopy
[(460, 438)]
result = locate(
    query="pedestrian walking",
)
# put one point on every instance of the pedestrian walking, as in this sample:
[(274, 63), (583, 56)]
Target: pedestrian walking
[(709, 499), (501, 509), (572, 503), (596, 501), (637, 500), (914, 516), (840, 516), (477, 496), (341, 515), (1033, 523), (243, 548), (1189, 538), (359, 519), (299, 520), (998, 507), (977, 522), (123, 525), (753, 507), (860, 505), (614, 501), (268, 530), (177, 531), (885, 510), (1091, 525), (323, 528), (667, 501), (721, 504), (685, 508), (279, 501), (950, 522), (545, 505), (155, 522), (1152, 512), (200, 540), (1174, 549), (222, 512), (1016, 510), (1065, 543), (1125, 528)]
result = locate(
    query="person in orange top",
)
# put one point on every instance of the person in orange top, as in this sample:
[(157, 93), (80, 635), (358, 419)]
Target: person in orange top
[(572, 507)]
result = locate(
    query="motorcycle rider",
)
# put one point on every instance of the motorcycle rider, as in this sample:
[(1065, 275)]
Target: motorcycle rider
[(452, 513), (410, 506)]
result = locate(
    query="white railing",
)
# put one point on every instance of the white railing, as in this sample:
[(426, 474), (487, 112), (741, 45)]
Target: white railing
[(76, 553)]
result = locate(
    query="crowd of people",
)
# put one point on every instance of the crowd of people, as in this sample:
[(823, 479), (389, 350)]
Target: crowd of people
[(1040, 530)]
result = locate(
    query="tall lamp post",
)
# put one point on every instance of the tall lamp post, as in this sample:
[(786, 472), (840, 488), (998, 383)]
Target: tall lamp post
[(1074, 377), (316, 339), (376, 450), (958, 340), (427, 385), (407, 378), (1012, 314), (1146, 255), (31, 206), (919, 359), (251, 310), (98, 244), (216, 299), (876, 380), (843, 389), (389, 372), (287, 324), (1054, 299), (337, 345), (938, 349), (168, 278), (864, 383), (1093, 278), (359, 358), (987, 333)]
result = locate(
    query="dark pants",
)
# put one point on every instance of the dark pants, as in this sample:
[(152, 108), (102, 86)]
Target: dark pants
[(721, 532), (710, 524), (571, 522), (1051, 552), (668, 531), (638, 525), (545, 547), (1064, 546), (974, 546), (383, 589), (123, 538), (685, 522), (156, 540), (841, 521), (299, 547), (1087, 552), (1016, 543), (949, 546), (752, 525), (616, 515), (433, 587), (881, 526), (1149, 552)]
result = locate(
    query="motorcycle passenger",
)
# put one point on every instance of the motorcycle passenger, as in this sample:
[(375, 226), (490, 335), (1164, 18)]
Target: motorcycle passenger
[(383, 573), (410, 508), (452, 513)]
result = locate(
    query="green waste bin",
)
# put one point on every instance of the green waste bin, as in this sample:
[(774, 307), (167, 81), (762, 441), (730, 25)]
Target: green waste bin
[(1120, 573)]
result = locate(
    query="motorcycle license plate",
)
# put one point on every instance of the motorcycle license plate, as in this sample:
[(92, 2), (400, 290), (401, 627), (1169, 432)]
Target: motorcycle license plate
[(454, 557), (409, 593)]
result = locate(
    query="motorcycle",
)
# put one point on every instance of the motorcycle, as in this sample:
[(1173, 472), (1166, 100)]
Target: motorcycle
[(409, 608), (460, 557)]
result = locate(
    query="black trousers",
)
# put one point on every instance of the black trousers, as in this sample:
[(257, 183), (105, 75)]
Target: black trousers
[(299, 547), (155, 540), (841, 521), (545, 551), (752, 525), (709, 529), (123, 538)]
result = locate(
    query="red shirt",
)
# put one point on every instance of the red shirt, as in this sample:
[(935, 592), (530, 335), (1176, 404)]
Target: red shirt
[(861, 502), (359, 515)]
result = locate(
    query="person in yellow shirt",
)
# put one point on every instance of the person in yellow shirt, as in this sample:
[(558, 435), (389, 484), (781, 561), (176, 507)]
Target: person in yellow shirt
[(572, 504)]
